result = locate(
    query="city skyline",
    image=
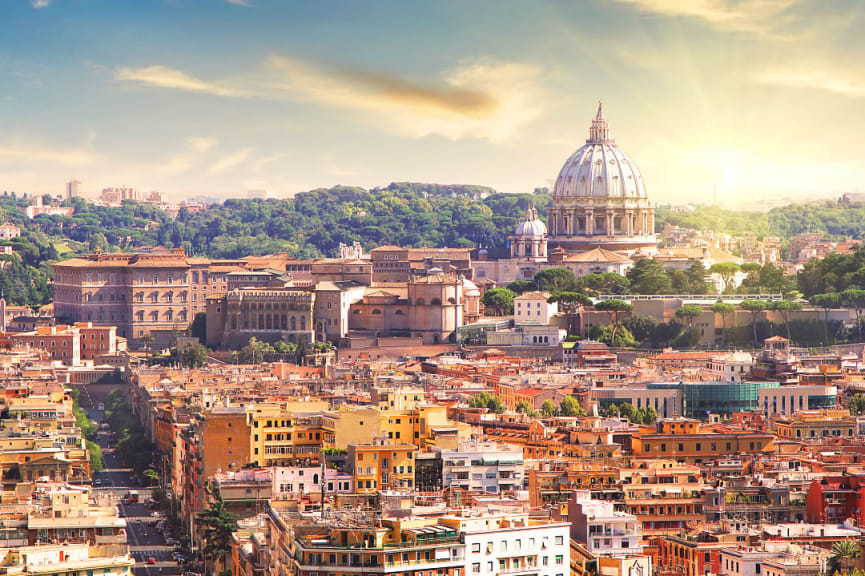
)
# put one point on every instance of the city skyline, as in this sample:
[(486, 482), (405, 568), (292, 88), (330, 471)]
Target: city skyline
[(216, 97)]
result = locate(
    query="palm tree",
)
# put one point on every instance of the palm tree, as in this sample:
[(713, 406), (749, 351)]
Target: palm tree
[(843, 554), (147, 340)]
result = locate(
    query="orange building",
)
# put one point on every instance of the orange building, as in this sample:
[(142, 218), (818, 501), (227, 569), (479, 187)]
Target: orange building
[(96, 340), (224, 440), (685, 440), (381, 467)]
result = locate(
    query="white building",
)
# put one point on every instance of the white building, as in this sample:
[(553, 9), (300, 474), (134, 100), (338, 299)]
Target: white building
[(601, 528), (509, 544), (9, 231), (732, 367), (792, 398), (293, 481), (528, 335), (533, 307), (67, 560), (488, 467)]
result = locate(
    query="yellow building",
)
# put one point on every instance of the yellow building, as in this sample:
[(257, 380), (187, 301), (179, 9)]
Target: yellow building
[(285, 435), (816, 425), (381, 467)]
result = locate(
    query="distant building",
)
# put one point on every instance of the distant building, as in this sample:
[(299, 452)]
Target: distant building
[(534, 307), (601, 528), (483, 467), (9, 231), (73, 188)]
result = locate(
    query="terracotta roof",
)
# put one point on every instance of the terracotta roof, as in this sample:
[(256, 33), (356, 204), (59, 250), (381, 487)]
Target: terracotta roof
[(598, 254)]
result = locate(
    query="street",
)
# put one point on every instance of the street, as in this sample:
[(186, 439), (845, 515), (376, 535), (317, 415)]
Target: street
[(145, 540)]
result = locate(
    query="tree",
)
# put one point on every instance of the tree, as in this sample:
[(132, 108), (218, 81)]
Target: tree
[(724, 310), (500, 300), (773, 279), (569, 406), (218, 524), (605, 282), (520, 286), (826, 302), (147, 340), (627, 410), (855, 299), (198, 328), (753, 307), (195, 356), (556, 280), (151, 475), (844, 552), (856, 404), (688, 312), (785, 308), (488, 401), (524, 407), (647, 276), (612, 410), (726, 271), (570, 303), (614, 308), (698, 278), (647, 415), (549, 409)]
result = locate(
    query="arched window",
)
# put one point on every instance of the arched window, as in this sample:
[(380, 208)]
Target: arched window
[(376, 312), (293, 323), (303, 322), (357, 311), (435, 302), (451, 301), (399, 313)]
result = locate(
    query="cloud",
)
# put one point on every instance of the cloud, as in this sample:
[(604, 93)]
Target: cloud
[(231, 161), (164, 77), (36, 153), (484, 99), (244, 3), (38, 4), (196, 149), (738, 15), (816, 76)]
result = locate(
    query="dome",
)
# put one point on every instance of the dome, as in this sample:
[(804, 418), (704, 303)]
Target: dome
[(470, 289), (532, 225), (599, 168)]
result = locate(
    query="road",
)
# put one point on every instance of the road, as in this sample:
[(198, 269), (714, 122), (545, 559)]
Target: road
[(145, 541)]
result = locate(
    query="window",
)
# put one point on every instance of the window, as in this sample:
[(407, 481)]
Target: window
[(476, 547), (476, 568), (560, 540), (559, 560)]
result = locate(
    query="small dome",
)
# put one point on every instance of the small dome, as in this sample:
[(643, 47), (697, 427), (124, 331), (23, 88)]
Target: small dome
[(532, 225), (470, 288)]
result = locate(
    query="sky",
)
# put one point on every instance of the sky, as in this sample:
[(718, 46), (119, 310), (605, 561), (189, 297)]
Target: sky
[(745, 101)]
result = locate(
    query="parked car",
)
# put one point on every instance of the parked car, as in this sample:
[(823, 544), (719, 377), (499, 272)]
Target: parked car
[(151, 560)]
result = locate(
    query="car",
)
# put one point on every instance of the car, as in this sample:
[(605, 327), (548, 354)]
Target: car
[(156, 514), (97, 482), (151, 560), (144, 534)]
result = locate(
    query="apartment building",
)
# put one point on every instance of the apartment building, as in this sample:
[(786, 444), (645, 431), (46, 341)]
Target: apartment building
[(664, 495), (67, 560), (376, 467), (483, 467), (603, 530), (498, 544)]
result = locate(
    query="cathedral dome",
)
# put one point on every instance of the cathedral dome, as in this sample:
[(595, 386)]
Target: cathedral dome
[(599, 168), (532, 225)]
